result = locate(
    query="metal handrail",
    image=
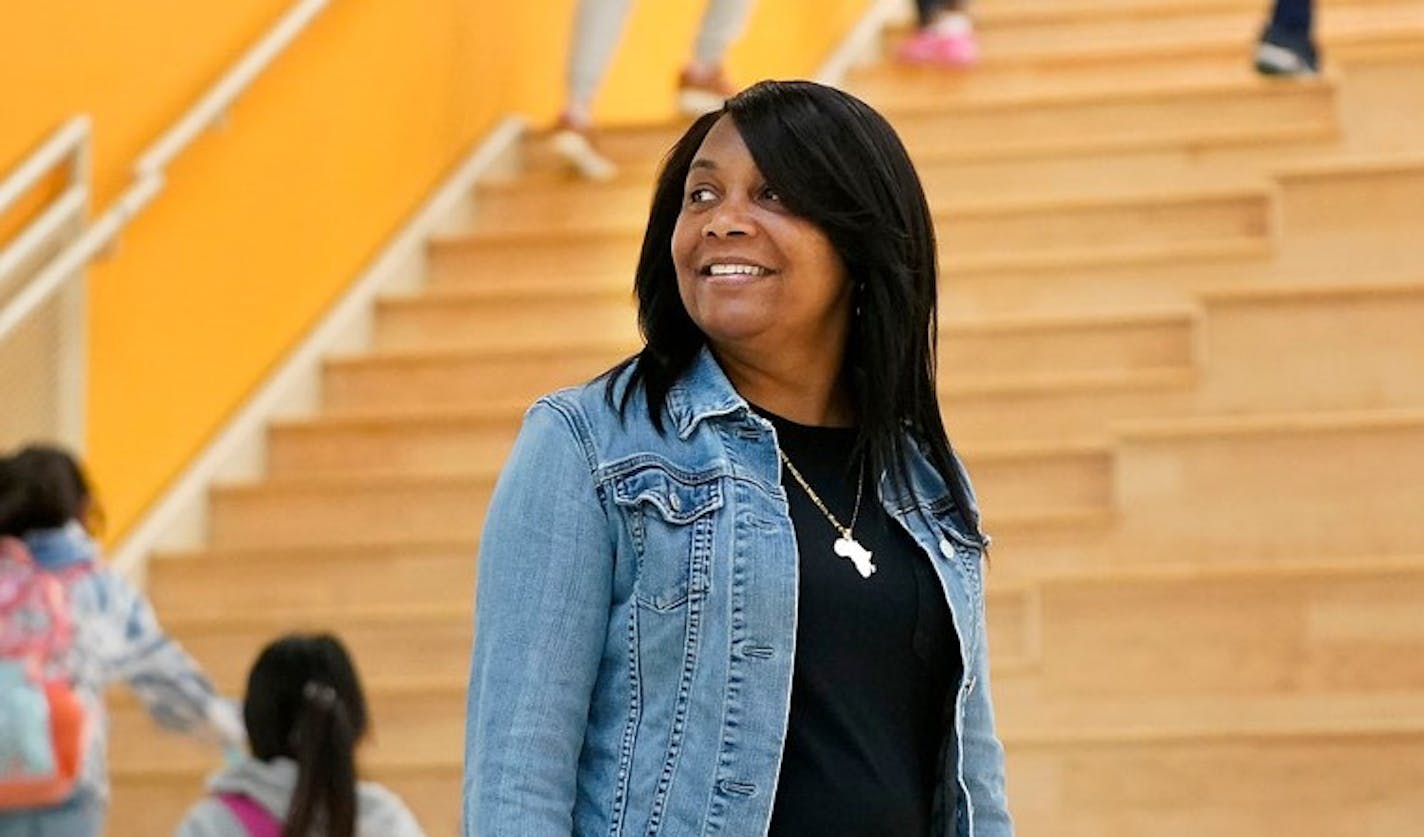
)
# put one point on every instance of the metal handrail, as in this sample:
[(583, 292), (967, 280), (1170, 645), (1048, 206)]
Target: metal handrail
[(214, 104), (68, 144), (148, 171), (64, 142)]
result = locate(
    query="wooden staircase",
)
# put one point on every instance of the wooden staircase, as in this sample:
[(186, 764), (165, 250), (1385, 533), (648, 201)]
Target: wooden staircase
[(1181, 351)]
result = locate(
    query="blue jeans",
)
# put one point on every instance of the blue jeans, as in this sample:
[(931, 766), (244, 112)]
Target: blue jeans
[(81, 816)]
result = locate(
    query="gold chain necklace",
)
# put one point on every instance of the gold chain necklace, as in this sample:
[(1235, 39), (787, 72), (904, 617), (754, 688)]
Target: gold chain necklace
[(846, 545)]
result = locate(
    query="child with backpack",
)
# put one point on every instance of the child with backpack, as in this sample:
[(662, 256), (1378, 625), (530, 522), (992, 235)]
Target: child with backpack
[(305, 714), (68, 628)]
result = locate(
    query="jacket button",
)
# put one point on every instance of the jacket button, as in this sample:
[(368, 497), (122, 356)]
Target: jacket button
[(675, 503), (946, 548)]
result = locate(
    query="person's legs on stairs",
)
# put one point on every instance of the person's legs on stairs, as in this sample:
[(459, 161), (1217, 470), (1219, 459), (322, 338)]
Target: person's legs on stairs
[(1287, 45), (598, 24), (703, 85)]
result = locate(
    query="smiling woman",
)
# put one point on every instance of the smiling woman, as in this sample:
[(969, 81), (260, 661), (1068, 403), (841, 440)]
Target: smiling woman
[(755, 276), (735, 584)]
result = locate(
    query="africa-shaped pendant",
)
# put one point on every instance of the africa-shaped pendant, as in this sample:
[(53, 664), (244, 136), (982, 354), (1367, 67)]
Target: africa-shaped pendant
[(848, 547)]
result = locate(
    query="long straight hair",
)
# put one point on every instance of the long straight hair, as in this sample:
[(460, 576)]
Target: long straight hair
[(838, 163), (304, 702)]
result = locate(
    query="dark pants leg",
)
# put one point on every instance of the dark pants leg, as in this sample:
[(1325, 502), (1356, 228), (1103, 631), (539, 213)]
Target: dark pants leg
[(1292, 24), (925, 10)]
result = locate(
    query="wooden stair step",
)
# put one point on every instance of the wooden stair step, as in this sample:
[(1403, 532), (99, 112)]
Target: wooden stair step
[(566, 259), (466, 320), (1272, 486), (1191, 31), (546, 263), (339, 512), (1099, 282), (391, 645), (1060, 407), (149, 802), (1011, 12), (1325, 783), (1083, 171), (1139, 720), (412, 379), (1123, 340), (1336, 344), (1036, 476), (470, 318), (1069, 405), (1202, 113), (1019, 225), (1308, 629), (428, 442), (232, 583), (418, 723), (1352, 216), (1035, 122)]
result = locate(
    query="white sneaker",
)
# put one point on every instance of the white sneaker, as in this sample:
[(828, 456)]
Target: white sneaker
[(703, 92), (575, 149), (695, 102), (1276, 60)]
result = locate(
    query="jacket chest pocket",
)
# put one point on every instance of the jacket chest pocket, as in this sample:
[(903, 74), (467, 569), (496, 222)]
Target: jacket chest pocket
[(671, 521)]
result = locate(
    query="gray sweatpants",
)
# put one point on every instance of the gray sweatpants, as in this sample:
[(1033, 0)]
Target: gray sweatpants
[(599, 23)]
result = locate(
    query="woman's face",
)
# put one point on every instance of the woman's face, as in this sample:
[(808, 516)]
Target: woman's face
[(750, 273)]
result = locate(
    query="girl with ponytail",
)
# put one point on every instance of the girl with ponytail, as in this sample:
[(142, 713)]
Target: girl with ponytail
[(305, 715)]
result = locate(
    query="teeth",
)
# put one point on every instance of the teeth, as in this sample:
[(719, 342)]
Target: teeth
[(736, 270)]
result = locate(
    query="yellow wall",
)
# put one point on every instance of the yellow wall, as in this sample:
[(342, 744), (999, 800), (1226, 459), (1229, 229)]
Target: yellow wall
[(266, 220)]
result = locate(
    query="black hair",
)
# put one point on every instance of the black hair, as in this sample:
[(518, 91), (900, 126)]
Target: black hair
[(43, 487), (304, 702), (836, 162)]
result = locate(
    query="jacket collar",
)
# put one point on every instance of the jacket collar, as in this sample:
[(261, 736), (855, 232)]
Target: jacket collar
[(704, 392), (701, 393), (61, 548)]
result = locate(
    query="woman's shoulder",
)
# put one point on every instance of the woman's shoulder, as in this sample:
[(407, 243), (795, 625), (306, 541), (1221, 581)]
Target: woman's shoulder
[(382, 813)]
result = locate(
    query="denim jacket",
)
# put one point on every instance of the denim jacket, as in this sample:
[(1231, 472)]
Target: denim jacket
[(636, 624)]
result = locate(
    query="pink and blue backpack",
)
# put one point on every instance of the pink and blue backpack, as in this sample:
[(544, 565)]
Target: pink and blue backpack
[(42, 719)]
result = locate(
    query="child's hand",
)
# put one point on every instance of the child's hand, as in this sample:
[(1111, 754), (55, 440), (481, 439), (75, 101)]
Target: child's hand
[(227, 722)]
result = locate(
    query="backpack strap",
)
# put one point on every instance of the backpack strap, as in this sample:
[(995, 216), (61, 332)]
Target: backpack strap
[(256, 820)]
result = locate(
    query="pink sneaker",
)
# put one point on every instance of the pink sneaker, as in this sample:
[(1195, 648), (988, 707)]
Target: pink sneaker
[(960, 49), (920, 48), (926, 46)]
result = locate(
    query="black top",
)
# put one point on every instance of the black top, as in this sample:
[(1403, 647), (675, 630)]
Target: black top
[(877, 661)]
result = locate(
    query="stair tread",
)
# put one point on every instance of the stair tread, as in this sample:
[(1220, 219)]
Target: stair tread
[(1047, 96), (1139, 719), (1206, 250), (946, 210), (1241, 569), (194, 559), (1033, 11), (1328, 291), (1256, 423)]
